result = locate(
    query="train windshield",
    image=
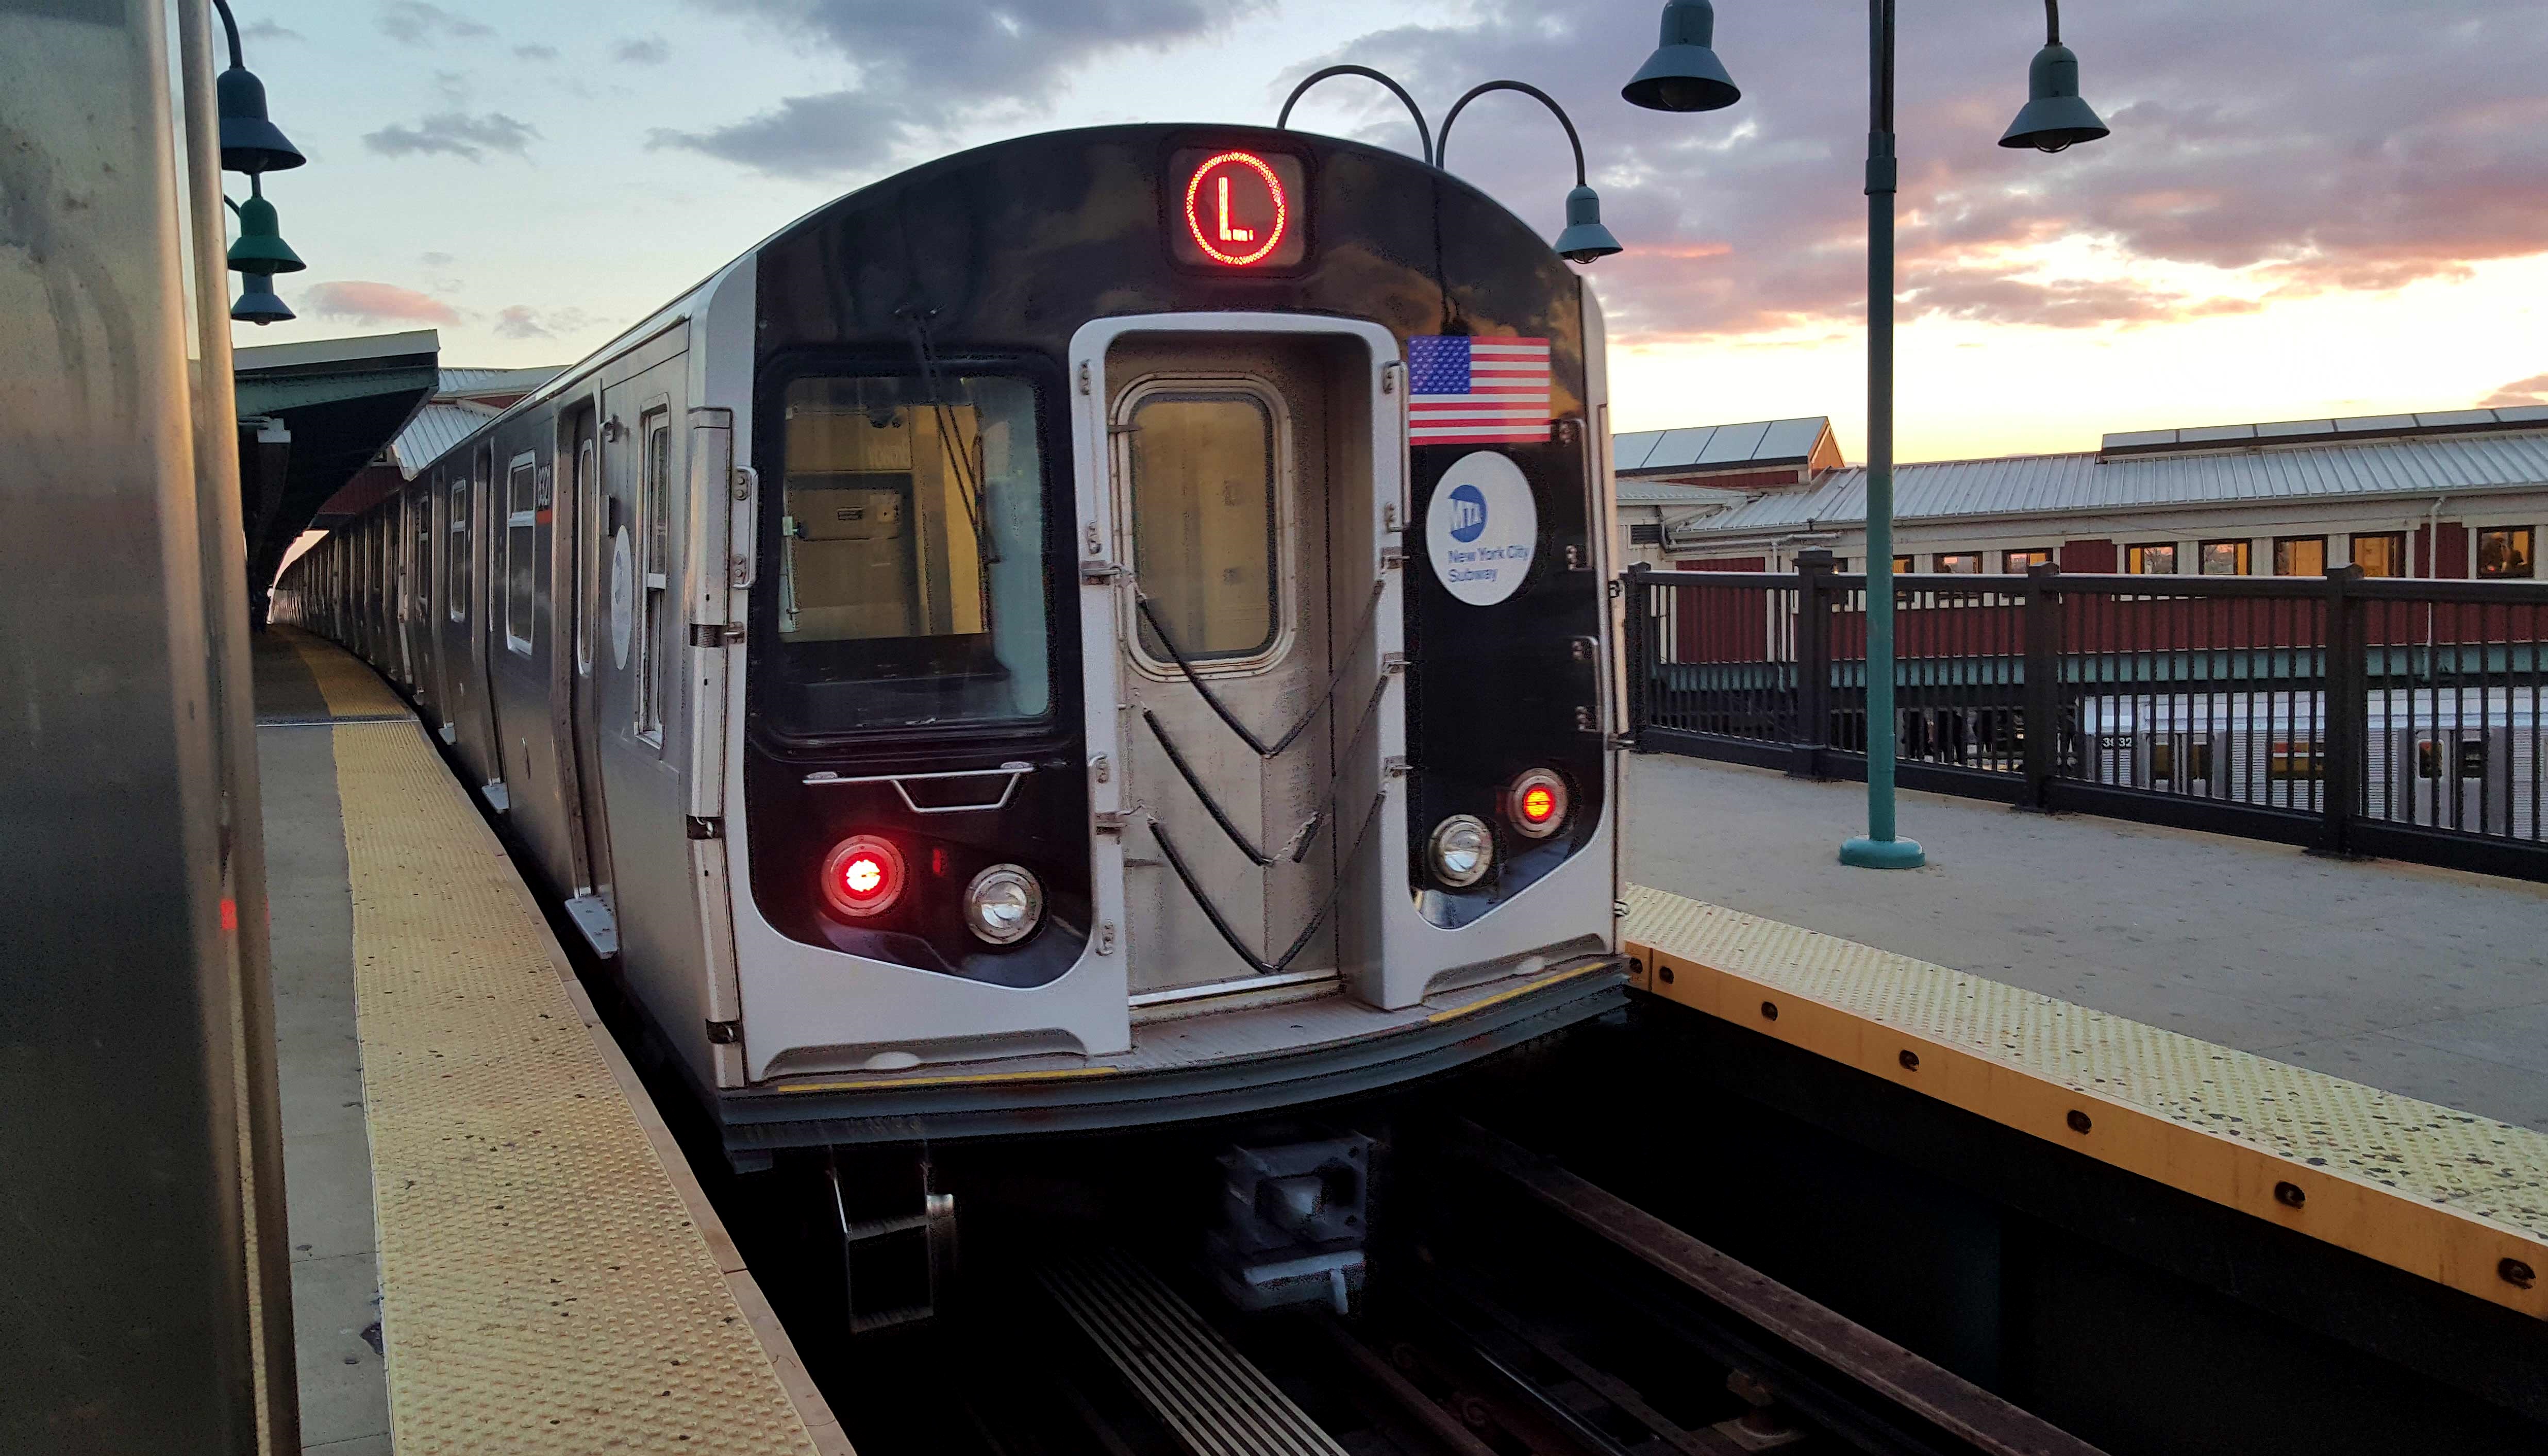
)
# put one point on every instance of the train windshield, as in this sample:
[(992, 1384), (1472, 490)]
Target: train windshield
[(911, 546)]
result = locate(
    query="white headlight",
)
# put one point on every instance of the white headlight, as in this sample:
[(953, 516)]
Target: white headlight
[(1462, 850), (1004, 904)]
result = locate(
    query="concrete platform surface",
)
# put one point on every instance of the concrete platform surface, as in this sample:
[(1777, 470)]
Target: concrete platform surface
[(497, 1243), (2427, 982)]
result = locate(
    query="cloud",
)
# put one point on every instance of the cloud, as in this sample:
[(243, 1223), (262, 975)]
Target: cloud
[(2531, 391), (2255, 155), (456, 134), (419, 24), (535, 52), (922, 71), (377, 303), (266, 29), (436, 260), (521, 320), (645, 50)]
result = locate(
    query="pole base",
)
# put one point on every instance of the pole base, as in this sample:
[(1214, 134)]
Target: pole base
[(1883, 854)]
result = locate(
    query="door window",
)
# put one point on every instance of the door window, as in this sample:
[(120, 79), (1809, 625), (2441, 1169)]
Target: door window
[(459, 559), (588, 524), (522, 551), (654, 569), (1205, 542)]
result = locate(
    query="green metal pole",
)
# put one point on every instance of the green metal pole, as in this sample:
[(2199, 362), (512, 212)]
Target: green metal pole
[(1880, 850)]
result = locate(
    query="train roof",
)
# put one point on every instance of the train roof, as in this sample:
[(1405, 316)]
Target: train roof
[(691, 299)]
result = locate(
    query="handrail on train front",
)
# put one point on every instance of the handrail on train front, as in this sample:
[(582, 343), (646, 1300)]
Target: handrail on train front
[(1014, 770)]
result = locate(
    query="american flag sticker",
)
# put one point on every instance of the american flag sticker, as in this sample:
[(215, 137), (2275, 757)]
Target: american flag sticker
[(1477, 391)]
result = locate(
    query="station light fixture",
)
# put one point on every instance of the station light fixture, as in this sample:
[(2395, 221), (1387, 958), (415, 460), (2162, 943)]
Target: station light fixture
[(1683, 73), (1004, 904), (250, 142), (258, 303), (1462, 850), (863, 876), (2054, 117), (1585, 238), (260, 249)]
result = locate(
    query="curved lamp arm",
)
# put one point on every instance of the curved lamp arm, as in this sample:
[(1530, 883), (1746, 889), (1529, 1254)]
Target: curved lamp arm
[(1527, 89), (2052, 22), (230, 22), (1424, 134)]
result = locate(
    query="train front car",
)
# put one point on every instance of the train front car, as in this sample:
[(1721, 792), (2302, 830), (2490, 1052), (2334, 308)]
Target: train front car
[(1178, 677)]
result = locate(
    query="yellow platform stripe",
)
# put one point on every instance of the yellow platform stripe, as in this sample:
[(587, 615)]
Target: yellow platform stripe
[(2453, 1197), (351, 689), (545, 1287)]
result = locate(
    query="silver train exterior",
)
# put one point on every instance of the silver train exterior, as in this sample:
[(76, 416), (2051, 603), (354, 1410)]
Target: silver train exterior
[(889, 652), (2461, 758)]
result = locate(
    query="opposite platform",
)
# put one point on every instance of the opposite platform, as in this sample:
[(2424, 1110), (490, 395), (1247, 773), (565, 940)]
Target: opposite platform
[(2452, 1197), (551, 1277)]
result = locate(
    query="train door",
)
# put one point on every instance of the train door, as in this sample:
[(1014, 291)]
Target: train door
[(418, 635), (1225, 471), (635, 699), (583, 519)]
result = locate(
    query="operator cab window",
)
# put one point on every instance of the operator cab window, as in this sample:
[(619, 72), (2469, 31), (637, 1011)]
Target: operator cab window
[(911, 589)]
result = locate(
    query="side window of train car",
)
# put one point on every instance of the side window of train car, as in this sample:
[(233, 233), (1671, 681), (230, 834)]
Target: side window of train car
[(460, 561), (654, 571), (1206, 538), (521, 549), (911, 534)]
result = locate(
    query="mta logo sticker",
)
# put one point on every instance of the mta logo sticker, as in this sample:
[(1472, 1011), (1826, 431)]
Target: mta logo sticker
[(1482, 528)]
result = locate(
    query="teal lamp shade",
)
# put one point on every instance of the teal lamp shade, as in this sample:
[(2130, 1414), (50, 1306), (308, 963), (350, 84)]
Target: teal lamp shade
[(250, 144), (260, 247), (2055, 117), (258, 303), (1585, 238), (1683, 73)]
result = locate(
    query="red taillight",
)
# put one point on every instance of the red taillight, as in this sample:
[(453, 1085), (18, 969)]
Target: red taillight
[(1536, 804), (862, 875)]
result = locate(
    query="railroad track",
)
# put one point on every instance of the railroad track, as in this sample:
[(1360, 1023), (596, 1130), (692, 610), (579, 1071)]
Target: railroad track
[(1529, 1314)]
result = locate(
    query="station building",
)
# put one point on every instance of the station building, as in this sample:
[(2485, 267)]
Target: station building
[(2455, 494)]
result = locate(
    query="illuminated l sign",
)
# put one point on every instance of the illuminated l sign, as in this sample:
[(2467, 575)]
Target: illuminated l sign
[(1240, 209)]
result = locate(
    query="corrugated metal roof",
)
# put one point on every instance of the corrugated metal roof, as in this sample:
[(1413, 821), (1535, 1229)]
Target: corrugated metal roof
[(1673, 492), (2023, 485), (498, 381), (440, 425), (1716, 446), (2215, 437)]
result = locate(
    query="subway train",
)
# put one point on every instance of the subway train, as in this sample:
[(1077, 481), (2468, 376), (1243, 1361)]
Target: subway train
[(1103, 630)]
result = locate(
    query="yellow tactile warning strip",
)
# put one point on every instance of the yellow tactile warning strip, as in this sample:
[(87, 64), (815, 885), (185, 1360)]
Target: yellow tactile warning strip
[(2444, 1194), (352, 690), (547, 1286)]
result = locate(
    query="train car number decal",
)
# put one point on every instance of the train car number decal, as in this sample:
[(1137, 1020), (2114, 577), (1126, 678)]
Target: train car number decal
[(1482, 528)]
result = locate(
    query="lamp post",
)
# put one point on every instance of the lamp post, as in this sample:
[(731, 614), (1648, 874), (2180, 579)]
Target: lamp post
[(253, 143), (1584, 238), (1685, 74)]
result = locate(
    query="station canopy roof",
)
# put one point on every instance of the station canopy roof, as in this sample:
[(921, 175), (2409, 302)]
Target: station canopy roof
[(310, 415)]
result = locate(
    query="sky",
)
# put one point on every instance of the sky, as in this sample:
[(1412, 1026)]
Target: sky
[(2338, 208)]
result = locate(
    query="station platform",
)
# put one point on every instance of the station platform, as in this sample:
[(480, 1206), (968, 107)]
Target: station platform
[(497, 1244), (2448, 1196)]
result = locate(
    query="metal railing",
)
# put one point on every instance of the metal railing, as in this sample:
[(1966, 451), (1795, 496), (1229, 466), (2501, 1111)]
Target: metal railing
[(2346, 714)]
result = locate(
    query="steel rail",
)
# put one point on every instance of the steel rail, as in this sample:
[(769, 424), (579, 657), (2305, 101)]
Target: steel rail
[(1969, 1416)]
